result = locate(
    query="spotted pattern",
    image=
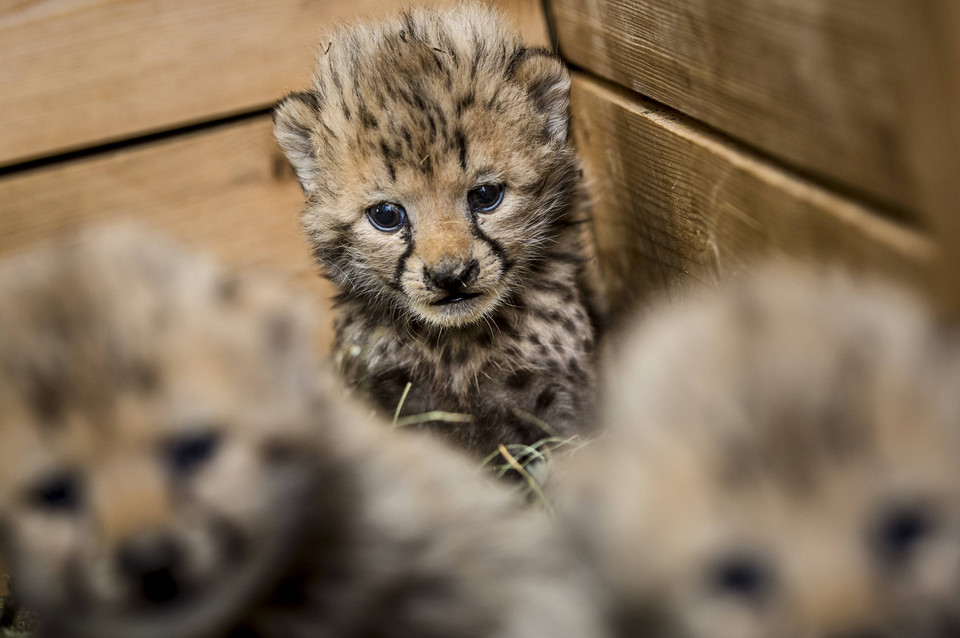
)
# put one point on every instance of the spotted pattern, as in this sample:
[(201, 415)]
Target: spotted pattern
[(418, 111)]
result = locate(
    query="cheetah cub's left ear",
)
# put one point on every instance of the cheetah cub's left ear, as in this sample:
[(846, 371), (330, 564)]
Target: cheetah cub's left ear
[(295, 118), (547, 83)]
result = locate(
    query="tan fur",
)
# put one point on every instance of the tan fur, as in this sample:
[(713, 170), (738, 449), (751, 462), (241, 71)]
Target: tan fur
[(172, 466), (783, 460), (418, 112), (453, 237)]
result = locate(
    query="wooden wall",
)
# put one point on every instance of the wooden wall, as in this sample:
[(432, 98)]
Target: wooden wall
[(718, 131)]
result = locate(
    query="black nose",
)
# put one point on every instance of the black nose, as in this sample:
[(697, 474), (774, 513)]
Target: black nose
[(453, 276), (152, 564)]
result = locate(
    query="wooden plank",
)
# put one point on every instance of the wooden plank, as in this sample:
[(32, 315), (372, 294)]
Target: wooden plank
[(677, 206), (934, 120), (820, 84), (82, 72), (227, 190)]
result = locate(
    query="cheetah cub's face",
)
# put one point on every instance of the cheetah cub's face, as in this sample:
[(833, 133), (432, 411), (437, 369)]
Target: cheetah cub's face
[(782, 461), (433, 152), (146, 488)]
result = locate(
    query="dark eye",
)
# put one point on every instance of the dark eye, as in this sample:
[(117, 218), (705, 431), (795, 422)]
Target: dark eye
[(485, 198), (745, 577), (386, 216), (189, 452), (59, 492), (901, 531)]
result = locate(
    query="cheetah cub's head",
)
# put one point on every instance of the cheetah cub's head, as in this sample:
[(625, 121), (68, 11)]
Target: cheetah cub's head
[(433, 152), (146, 403), (781, 461)]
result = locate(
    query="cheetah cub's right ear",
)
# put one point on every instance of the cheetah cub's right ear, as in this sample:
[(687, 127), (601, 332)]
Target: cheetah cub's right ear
[(295, 117), (547, 82)]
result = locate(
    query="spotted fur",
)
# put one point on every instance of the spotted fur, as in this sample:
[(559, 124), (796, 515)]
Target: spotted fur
[(783, 460), (171, 466), (418, 111)]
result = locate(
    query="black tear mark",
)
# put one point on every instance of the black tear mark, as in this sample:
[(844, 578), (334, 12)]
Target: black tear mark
[(401, 264), (494, 245)]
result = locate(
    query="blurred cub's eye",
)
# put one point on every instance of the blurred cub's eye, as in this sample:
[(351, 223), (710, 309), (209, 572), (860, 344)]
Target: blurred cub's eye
[(60, 492), (485, 198), (187, 453), (746, 577), (901, 530), (386, 216)]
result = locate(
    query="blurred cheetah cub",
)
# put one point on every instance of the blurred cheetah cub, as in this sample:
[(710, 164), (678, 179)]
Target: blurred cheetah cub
[(783, 460), (443, 198), (169, 468)]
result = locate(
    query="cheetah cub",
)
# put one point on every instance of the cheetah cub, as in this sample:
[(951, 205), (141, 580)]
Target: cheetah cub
[(171, 467), (444, 200), (783, 460)]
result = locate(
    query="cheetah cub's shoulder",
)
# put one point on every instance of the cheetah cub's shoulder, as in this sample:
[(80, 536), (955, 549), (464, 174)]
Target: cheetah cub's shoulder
[(171, 466), (782, 459), (444, 199)]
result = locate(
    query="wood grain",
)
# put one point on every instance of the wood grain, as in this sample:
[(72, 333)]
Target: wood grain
[(820, 84), (677, 206), (934, 120), (82, 72), (226, 190)]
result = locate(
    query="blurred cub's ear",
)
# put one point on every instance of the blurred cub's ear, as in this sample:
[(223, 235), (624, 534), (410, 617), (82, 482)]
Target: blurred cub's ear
[(295, 117), (547, 83)]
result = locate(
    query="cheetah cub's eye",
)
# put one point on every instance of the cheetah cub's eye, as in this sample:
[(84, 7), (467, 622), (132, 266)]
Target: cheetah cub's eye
[(187, 453), (485, 198), (386, 216), (57, 493), (901, 531), (742, 576)]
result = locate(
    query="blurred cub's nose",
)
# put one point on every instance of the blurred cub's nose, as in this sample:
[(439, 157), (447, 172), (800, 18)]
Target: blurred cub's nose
[(452, 276), (152, 565)]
